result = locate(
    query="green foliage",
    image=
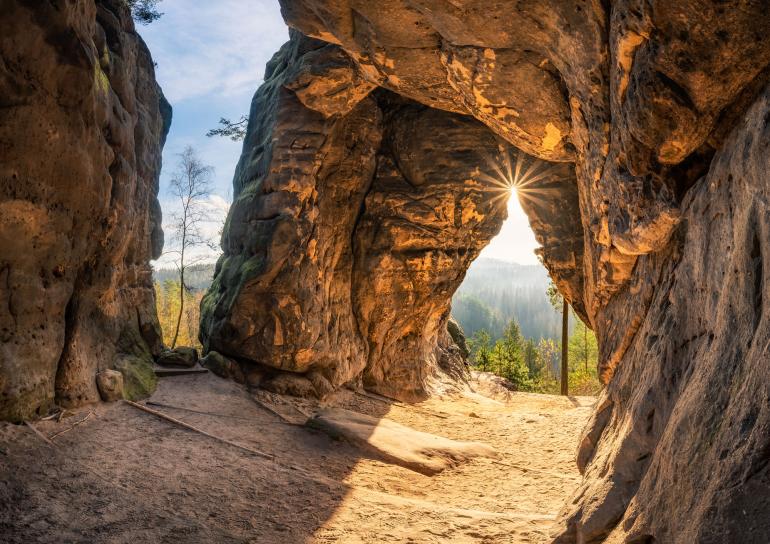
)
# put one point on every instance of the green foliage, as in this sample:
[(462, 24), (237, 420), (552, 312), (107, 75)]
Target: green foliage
[(494, 292), (139, 380), (480, 346), (505, 358), (510, 357), (144, 11), (535, 366), (167, 304), (235, 130), (583, 358), (554, 297), (583, 348)]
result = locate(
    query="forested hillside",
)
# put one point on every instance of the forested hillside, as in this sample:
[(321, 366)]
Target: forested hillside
[(196, 276), (167, 298), (494, 292), (515, 332)]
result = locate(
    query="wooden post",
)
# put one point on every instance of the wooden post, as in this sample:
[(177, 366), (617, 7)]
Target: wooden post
[(564, 347)]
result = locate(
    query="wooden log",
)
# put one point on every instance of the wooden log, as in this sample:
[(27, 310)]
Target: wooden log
[(189, 427), (41, 435)]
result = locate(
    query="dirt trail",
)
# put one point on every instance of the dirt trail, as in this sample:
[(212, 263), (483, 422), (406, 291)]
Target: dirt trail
[(125, 476)]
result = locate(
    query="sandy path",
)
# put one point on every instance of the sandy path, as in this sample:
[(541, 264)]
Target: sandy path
[(125, 476)]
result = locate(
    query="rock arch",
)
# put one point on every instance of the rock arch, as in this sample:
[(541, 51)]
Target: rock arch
[(356, 215), (663, 132)]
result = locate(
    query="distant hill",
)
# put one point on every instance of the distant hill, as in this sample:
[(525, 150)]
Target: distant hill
[(494, 292), (197, 276)]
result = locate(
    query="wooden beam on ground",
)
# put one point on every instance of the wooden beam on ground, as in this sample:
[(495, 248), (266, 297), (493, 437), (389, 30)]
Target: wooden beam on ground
[(73, 426), (189, 427), (41, 435), (279, 414)]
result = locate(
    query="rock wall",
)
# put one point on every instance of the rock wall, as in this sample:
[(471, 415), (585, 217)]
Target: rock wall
[(647, 118), (678, 449), (82, 124)]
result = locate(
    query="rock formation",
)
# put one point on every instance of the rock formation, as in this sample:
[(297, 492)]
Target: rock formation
[(644, 124), (370, 179), (355, 218), (82, 124)]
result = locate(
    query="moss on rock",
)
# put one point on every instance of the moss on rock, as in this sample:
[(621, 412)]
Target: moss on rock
[(139, 379)]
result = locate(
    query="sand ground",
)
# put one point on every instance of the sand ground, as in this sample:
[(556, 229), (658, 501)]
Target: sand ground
[(125, 476)]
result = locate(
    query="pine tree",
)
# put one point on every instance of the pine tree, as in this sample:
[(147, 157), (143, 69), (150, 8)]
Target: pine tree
[(144, 11), (480, 346), (510, 353)]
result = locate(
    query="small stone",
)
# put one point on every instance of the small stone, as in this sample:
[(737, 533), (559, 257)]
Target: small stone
[(110, 385)]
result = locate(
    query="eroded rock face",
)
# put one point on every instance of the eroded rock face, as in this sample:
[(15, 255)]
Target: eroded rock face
[(651, 118), (684, 424), (82, 124), (352, 228)]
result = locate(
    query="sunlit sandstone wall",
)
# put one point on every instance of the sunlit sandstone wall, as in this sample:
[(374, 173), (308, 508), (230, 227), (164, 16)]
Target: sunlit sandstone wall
[(655, 112), (82, 124), (356, 216)]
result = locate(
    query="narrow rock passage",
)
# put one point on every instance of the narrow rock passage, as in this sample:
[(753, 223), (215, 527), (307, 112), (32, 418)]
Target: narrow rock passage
[(126, 476)]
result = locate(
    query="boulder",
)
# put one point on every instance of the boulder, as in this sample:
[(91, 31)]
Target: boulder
[(182, 356), (110, 385), (224, 367), (458, 336)]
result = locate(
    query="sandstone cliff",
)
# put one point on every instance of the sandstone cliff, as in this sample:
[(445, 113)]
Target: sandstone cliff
[(82, 124), (650, 121)]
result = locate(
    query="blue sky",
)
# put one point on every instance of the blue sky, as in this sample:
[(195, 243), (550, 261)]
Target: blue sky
[(210, 59)]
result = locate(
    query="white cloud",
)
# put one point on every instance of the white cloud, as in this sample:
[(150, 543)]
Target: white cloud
[(214, 47)]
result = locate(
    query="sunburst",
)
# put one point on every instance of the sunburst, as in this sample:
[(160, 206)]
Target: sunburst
[(517, 176)]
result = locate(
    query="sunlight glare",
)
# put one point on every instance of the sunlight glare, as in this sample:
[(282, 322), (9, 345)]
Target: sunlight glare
[(517, 177)]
